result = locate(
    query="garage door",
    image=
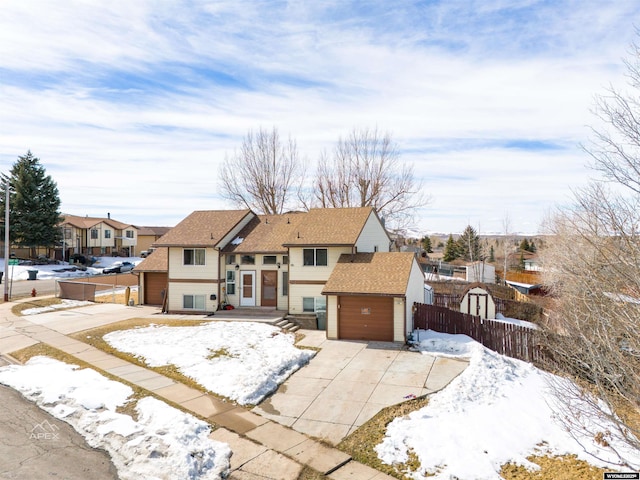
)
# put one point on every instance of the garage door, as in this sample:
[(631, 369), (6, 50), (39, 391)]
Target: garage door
[(154, 286), (365, 318)]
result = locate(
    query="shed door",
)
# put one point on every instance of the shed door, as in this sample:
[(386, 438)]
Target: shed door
[(155, 285), (365, 318)]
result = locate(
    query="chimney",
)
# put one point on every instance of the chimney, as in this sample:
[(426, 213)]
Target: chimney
[(109, 215)]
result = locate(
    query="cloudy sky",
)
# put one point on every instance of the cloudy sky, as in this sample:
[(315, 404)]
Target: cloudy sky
[(133, 106)]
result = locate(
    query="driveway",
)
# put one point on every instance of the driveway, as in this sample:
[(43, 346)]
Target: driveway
[(347, 383)]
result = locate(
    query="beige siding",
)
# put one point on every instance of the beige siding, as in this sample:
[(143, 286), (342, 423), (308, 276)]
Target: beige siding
[(179, 271), (373, 235), (415, 292), (332, 316), (178, 289), (297, 292), (298, 271), (398, 319), (282, 301)]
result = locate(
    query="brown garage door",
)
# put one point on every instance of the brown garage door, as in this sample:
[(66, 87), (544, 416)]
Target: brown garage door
[(155, 284), (365, 318)]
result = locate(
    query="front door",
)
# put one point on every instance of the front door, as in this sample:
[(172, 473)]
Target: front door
[(269, 288), (247, 289)]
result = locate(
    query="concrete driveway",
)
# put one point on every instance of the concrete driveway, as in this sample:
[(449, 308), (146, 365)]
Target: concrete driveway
[(347, 383)]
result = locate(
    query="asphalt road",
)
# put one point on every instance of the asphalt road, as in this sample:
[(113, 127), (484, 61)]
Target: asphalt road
[(34, 445)]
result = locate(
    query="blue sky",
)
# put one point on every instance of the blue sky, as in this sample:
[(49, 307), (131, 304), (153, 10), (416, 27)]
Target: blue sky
[(133, 106)]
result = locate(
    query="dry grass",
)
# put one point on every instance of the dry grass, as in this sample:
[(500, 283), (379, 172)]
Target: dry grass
[(566, 467), (309, 473), (360, 444), (118, 298)]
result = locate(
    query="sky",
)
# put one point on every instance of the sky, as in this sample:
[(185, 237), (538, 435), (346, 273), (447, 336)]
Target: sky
[(132, 107)]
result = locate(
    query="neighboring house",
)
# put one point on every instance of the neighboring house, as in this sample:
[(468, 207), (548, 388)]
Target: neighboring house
[(147, 236), (238, 258), (97, 236)]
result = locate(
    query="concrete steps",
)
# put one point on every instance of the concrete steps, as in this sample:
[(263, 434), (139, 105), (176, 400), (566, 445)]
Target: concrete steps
[(285, 324)]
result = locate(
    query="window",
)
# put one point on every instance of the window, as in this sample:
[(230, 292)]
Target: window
[(231, 259), (129, 233), (231, 282), (194, 256), (269, 260), (308, 304), (107, 234), (248, 260), (285, 259), (94, 234), (193, 302), (285, 284), (314, 256)]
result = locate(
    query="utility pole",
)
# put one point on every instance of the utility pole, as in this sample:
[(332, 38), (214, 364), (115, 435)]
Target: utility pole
[(6, 244)]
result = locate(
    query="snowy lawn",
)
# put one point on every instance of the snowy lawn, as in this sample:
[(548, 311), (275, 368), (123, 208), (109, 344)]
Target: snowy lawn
[(497, 411), (163, 443), (243, 361), (63, 270)]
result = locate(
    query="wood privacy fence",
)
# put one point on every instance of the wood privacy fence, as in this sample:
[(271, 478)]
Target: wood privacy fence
[(505, 338)]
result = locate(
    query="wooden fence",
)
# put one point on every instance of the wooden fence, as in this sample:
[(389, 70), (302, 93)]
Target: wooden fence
[(505, 338)]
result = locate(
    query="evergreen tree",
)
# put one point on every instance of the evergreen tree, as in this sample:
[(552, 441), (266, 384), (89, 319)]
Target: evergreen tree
[(33, 204), (532, 247), (426, 244), (524, 245), (521, 261), (450, 250), (469, 245), (492, 255)]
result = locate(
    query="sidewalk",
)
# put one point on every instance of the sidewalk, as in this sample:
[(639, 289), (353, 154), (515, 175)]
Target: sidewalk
[(262, 449)]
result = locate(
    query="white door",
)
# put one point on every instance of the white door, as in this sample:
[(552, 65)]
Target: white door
[(247, 289)]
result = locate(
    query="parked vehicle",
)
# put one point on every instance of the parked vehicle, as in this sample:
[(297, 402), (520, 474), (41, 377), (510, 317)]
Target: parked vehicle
[(119, 267)]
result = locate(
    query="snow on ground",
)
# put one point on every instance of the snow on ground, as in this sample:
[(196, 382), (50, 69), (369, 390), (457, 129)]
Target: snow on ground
[(163, 443), (64, 303), (64, 270), (497, 411), (242, 361), (522, 323)]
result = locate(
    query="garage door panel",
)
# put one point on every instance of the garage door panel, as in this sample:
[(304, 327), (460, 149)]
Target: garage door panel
[(154, 286), (366, 318)]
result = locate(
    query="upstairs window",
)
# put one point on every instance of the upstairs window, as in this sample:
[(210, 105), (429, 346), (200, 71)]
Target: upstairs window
[(129, 233), (248, 260), (314, 257), (107, 234), (269, 260), (194, 256), (94, 234)]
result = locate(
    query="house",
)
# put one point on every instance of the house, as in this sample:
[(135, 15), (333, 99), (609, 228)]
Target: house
[(97, 236), (147, 236), (238, 258)]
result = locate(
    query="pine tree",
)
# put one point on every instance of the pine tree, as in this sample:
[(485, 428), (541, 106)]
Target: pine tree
[(469, 245), (33, 204), (532, 247), (450, 250), (426, 244), (524, 245), (492, 255)]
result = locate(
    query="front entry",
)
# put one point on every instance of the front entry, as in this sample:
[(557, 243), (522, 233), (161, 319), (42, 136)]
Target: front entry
[(247, 289), (269, 296)]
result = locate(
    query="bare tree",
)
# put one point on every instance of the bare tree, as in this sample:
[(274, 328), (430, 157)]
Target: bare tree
[(592, 265), (506, 229), (365, 170), (265, 175)]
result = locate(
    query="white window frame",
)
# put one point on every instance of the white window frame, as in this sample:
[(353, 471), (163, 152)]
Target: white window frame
[(231, 282), (195, 257), (315, 257), (198, 302)]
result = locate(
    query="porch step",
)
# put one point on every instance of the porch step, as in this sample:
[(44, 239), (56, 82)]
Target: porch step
[(281, 323)]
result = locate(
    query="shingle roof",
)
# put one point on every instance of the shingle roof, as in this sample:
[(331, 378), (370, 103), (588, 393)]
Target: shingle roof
[(330, 226), (266, 234), (154, 231), (157, 261), (381, 273), (203, 228), (88, 222)]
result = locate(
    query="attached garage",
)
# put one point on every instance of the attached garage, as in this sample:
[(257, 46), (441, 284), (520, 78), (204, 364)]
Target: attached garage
[(365, 318), (153, 277), (155, 286), (370, 295)]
